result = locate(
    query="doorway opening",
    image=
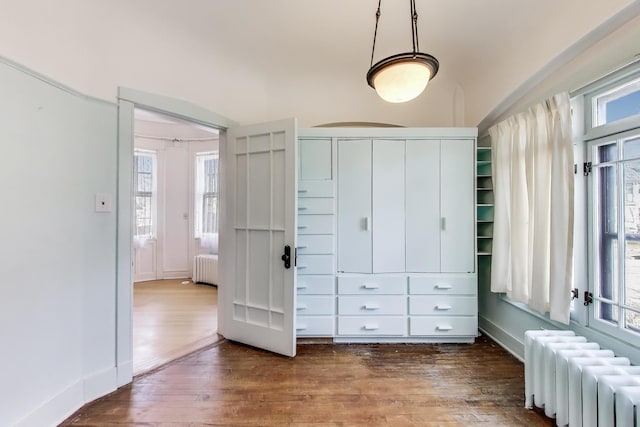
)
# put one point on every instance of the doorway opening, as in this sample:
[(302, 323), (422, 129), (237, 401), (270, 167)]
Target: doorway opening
[(175, 219)]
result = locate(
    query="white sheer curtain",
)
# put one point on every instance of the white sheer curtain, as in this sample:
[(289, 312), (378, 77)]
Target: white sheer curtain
[(532, 166)]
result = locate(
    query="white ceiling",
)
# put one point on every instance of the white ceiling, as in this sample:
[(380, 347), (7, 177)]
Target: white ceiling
[(257, 60), (322, 48)]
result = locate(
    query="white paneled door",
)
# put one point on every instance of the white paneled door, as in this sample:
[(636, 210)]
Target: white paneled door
[(259, 303)]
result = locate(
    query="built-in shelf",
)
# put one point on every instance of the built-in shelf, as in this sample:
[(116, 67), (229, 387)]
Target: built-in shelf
[(484, 201)]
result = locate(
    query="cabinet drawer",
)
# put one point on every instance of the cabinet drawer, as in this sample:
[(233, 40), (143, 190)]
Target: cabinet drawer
[(374, 284), (315, 224), (442, 305), (315, 244), (319, 205), (315, 188), (443, 326), (315, 264), (317, 285), (315, 326), (383, 325), (315, 304), (438, 284), (372, 305)]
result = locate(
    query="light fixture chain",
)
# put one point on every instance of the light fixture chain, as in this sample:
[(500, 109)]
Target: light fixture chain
[(375, 33), (414, 27)]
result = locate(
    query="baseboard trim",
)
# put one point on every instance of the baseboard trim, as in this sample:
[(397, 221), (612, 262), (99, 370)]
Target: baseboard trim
[(99, 384), (125, 373), (57, 409), (504, 339)]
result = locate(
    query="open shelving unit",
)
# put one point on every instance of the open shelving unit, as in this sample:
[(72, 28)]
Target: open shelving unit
[(484, 198)]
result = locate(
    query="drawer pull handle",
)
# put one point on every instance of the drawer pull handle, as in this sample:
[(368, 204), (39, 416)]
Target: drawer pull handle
[(443, 307), (301, 287), (302, 267), (302, 191), (301, 327), (370, 307), (370, 286), (444, 328), (444, 287), (301, 307), (302, 227), (370, 327), (302, 208), (302, 247)]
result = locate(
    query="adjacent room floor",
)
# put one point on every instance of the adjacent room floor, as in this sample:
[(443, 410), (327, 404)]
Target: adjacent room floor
[(171, 319), (229, 384)]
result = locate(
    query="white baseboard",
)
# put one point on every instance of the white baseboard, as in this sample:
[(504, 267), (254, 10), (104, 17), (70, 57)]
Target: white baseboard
[(125, 373), (55, 410), (507, 341), (64, 404), (99, 384)]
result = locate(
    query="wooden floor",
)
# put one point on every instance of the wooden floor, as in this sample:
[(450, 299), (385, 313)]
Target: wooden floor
[(171, 319), (229, 384)]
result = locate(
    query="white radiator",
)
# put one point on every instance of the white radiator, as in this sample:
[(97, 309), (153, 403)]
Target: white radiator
[(579, 384), (205, 269)]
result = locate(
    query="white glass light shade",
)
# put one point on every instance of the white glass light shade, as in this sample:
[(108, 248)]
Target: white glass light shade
[(401, 82), (402, 77)]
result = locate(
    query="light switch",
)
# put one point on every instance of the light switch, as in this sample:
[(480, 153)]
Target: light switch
[(103, 202)]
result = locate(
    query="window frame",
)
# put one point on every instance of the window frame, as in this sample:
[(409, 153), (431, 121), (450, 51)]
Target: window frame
[(201, 195), (593, 137), (152, 195)]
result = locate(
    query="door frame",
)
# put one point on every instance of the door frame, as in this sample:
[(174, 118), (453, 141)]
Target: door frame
[(128, 101)]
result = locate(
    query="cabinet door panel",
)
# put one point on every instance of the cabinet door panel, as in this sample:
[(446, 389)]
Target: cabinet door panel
[(457, 206), (315, 159), (354, 206), (388, 206), (423, 206)]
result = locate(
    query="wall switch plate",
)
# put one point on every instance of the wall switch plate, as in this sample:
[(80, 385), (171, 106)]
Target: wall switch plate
[(103, 202)]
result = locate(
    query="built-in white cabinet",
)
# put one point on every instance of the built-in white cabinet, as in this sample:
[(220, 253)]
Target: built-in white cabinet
[(316, 260), (386, 235), (406, 206)]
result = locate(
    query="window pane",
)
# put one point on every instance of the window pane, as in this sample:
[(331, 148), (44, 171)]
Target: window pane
[(617, 104), (143, 215), (631, 148), (607, 234), (609, 312), (632, 319), (607, 153)]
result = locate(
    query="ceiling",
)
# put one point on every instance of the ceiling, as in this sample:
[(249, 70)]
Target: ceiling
[(257, 60), (322, 48)]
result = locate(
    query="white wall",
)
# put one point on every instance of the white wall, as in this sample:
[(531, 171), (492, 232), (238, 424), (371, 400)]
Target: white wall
[(57, 298), (501, 319)]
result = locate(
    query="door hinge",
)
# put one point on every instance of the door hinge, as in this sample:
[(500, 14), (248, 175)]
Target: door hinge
[(588, 298), (586, 168), (575, 168)]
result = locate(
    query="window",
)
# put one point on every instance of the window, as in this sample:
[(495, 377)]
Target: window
[(618, 103), (207, 194), (614, 205), (144, 176)]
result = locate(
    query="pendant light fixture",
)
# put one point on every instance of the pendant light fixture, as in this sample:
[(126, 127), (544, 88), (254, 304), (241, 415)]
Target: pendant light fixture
[(404, 76)]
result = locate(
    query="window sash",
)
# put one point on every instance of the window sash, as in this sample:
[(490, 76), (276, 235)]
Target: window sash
[(611, 239)]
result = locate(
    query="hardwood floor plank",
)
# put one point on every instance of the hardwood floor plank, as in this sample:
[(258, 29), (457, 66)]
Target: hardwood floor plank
[(229, 384), (171, 319)]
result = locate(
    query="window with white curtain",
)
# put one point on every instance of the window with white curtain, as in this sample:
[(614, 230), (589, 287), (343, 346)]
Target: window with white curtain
[(145, 189), (612, 140), (532, 168), (206, 199)]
